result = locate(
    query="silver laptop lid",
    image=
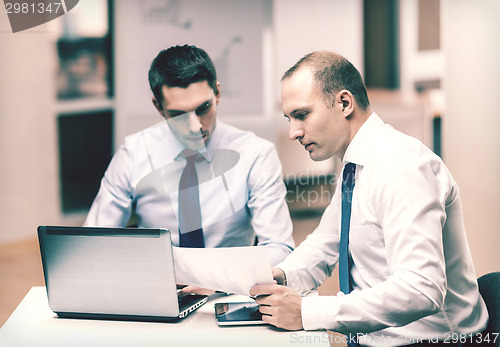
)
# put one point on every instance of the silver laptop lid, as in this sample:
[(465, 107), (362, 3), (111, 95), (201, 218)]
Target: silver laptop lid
[(116, 271)]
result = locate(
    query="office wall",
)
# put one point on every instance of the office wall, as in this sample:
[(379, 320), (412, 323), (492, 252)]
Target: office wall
[(28, 147), (416, 65), (471, 123), (301, 27)]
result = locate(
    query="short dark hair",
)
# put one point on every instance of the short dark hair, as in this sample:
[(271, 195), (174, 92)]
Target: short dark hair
[(180, 66), (333, 73)]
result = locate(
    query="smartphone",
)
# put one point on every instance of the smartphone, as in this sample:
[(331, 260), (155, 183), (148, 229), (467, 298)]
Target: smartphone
[(238, 313)]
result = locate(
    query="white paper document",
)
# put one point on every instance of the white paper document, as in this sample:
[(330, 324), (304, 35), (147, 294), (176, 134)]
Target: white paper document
[(228, 269)]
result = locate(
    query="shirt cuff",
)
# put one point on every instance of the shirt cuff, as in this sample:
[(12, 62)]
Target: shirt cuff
[(291, 276), (318, 312)]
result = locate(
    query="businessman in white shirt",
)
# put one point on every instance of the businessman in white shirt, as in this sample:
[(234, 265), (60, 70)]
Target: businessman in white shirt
[(394, 226), (210, 184)]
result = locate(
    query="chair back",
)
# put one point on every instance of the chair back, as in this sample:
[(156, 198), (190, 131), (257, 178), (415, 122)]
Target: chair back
[(489, 287)]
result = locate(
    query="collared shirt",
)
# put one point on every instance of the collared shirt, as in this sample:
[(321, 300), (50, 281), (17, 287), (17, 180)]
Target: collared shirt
[(412, 270), (241, 188)]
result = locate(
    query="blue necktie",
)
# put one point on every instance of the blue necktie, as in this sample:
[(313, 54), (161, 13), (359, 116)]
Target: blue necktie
[(190, 230), (344, 267)]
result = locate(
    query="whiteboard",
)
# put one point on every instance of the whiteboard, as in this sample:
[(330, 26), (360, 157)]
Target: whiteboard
[(231, 31)]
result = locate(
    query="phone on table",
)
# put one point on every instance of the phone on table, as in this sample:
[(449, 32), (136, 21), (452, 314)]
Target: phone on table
[(238, 313)]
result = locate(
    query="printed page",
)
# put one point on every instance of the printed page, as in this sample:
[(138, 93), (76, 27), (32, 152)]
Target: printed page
[(230, 269)]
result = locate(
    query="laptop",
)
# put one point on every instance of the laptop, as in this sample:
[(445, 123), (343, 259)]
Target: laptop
[(112, 273)]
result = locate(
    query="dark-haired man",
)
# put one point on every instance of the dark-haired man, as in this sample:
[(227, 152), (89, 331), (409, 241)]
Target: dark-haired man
[(211, 184), (394, 226)]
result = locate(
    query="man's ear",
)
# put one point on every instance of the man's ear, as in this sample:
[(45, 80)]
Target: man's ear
[(346, 100), (158, 106), (217, 93)]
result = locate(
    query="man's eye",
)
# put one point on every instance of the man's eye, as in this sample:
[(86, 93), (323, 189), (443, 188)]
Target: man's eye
[(203, 109)]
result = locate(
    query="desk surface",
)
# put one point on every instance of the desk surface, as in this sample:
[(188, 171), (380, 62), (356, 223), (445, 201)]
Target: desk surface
[(34, 324)]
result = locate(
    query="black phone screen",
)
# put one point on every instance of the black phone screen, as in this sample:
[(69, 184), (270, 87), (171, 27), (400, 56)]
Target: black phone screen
[(238, 313)]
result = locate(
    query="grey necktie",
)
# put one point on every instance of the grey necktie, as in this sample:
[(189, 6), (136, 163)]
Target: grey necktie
[(190, 227)]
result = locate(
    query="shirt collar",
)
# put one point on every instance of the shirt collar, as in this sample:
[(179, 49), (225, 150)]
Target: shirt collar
[(362, 148)]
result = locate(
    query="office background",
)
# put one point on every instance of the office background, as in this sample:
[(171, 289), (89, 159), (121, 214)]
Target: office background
[(432, 68)]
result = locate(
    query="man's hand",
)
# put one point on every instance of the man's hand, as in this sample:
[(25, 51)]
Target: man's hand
[(196, 290), (279, 276), (280, 305)]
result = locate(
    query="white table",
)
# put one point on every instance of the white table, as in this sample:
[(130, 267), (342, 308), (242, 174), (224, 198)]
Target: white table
[(33, 324)]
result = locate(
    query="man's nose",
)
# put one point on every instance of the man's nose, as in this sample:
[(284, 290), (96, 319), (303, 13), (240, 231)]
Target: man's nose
[(295, 132), (194, 123)]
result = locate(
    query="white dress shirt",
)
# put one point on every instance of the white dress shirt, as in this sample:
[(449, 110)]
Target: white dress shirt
[(412, 270), (241, 188)]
